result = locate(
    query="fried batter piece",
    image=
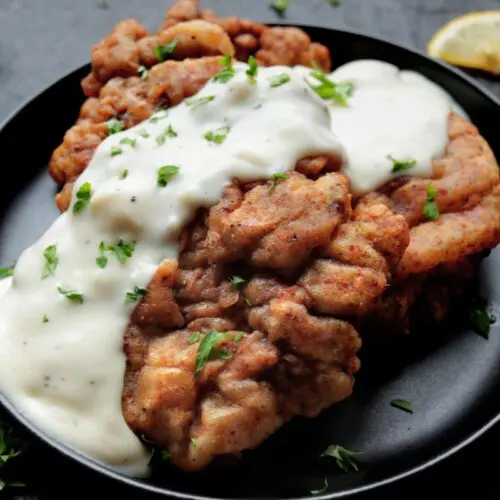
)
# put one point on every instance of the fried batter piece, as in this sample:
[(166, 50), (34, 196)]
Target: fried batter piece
[(290, 360), (195, 34)]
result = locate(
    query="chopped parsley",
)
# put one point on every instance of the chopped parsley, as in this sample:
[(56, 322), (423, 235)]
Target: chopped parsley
[(239, 336), (129, 141), (279, 6), (45, 319), (481, 320), (401, 165), (162, 52), (51, 261), (71, 294), (236, 281), (344, 458), (83, 196), (402, 404), (252, 69), (431, 210), (115, 126), (207, 349), (165, 455), (122, 250), (124, 174), (194, 442), (335, 3), (143, 72), (276, 178), (194, 102), (166, 173), (136, 294), (115, 151), (218, 135), (195, 337), (329, 90), (169, 132), (143, 133), (227, 73), (322, 490), (5, 272), (278, 80), (160, 115), (11, 446)]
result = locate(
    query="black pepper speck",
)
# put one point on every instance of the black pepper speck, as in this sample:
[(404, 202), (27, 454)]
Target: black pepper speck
[(133, 199)]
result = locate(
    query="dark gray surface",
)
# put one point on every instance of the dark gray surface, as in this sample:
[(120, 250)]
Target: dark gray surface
[(40, 40)]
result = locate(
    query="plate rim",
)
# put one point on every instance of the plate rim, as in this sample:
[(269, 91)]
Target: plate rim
[(138, 484)]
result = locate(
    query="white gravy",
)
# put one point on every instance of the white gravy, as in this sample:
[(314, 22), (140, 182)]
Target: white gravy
[(65, 374), (391, 114)]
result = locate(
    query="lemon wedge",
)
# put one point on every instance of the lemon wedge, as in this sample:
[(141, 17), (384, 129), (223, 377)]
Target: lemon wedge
[(471, 41)]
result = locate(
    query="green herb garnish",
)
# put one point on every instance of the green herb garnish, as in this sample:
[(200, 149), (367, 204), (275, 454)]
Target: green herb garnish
[(278, 80), (324, 489), (401, 165), (279, 6), (115, 126), (169, 132), (45, 319), (227, 73), (11, 446), (51, 261), (218, 135), (481, 321), (165, 455), (166, 173), (431, 210), (194, 442), (194, 102), (248, 302), (124, 174), (207, 349), (162, 52), (122, 250), (195, 337), (129, 141), (236, 281), (252, 69), (136, 294), (143, 72), (239, 336), (276, 178), (344, 457), (335, 3), (83, 196), (159, 115), (329, 90), (115, 151), (5, 272), (143, 133), (402, 404), (71, 294)]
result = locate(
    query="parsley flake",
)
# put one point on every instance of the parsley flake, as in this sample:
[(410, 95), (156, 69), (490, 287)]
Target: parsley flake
[(159, 115), (166, 173), (169, 132), (322, 490), (115, 126), (335, 3), (329, 90), (143, 133), (143, 72), (401, 165), (136, 294), (122, 250), (276, 178), (343, 457), (165, 455), (195, 337), (51, 261), (279, 6), (207, 349), (431, 210), (252, 69), (218, 136), (236, 281), (481, 321), (195, 102), (402, 404), (5, 272), (11, 446), (162, 52), (227, 73), (129, 141), (83, 196), (194, 442), (45, 319), (71, 294), (115, 151), (124, 174), (278, 80), (239, 336)]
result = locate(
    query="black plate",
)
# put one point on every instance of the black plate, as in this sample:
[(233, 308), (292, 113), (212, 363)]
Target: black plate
[(453, 380)]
